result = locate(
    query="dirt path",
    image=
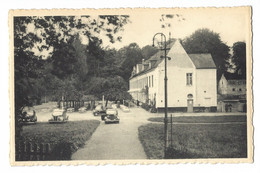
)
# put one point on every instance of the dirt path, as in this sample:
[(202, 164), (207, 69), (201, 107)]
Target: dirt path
[(116, 141)]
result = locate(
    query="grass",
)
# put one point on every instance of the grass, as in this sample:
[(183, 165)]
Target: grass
[(67, 137), (202, 119), (196, 141)]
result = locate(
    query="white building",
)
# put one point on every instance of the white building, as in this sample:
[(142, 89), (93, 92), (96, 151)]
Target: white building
[(192, 83)]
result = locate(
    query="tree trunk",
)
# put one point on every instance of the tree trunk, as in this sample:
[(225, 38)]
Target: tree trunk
[(106, 102)]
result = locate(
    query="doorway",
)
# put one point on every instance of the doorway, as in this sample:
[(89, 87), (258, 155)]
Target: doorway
[(190, 105)]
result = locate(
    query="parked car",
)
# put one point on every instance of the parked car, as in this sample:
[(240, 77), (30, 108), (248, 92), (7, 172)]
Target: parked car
[(99, 110), (70, 110), (59, 116), (124, 108), (111, 116), (114, 106), (82, 109), (28, 115)]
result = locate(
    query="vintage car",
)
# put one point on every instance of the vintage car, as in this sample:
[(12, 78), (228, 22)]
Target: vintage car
[(99, 110), (82, 109), (59, 116), (70, 110), (28, 115), (111, 116)]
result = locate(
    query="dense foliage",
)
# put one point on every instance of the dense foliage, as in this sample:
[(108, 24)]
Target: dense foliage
[(58, 56), (239, 58), (206, 41)]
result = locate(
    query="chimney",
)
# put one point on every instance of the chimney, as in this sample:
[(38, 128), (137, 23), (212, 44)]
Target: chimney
[(150, 64)]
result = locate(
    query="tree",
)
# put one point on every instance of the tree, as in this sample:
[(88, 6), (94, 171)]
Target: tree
[(206, 41), (56, 35), (112, 88), (148, 51), (129, 56), (239, 58)]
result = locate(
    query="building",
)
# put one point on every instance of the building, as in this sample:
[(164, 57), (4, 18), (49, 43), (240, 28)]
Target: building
[(232, 84), (192, 79), (232, 93)]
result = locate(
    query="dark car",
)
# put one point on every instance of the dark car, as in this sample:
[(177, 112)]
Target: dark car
[(59, 116), (99, 110), (28, 115), (111, 116)]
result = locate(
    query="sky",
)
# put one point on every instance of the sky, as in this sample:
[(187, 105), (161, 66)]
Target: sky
[(231, 23)]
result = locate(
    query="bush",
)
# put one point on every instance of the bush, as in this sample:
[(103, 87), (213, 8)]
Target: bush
[(146, 106)]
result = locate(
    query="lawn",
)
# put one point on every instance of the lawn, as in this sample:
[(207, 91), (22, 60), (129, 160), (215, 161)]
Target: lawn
[(196, 141), (202, 119), (63, 138)]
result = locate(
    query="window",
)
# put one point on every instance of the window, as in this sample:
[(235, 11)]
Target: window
[(240, 89), (189, 78), (233, 89)]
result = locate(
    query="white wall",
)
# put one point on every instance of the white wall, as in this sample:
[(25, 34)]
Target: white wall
[(177, 88), (136, 91), (206, 89)]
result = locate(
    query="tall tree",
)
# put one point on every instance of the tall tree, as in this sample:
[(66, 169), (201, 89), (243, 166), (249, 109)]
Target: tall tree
[(239, 58), (206, 41), (130, 56), (148, 51)]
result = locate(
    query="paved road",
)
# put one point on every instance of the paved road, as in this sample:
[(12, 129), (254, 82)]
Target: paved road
[(116, 141)]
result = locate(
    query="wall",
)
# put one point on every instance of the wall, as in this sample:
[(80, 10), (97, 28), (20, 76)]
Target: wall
[(177, 68), (139, 83), (206, 88), (236, 87)]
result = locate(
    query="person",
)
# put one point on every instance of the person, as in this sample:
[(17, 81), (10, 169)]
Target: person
[(226, 107), (230, 107)]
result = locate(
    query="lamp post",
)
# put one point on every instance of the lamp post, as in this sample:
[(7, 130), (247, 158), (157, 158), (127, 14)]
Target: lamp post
[(164, 48)]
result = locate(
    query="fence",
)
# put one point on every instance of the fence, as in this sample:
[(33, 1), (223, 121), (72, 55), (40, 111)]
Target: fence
[(32, 151), (71, 104)]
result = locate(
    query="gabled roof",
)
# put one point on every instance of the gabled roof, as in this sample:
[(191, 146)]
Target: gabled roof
[(202, 61), (157, 55), (233, 76), (156, 59)]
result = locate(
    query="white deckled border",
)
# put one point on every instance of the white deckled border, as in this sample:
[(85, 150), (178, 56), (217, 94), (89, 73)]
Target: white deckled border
[(129, 11)]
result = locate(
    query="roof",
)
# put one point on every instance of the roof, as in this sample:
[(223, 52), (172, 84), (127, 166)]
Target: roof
[(156, 59), (157, 55), (202, 61), (234, 76)]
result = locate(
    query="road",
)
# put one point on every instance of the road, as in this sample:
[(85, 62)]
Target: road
[(116, 141)]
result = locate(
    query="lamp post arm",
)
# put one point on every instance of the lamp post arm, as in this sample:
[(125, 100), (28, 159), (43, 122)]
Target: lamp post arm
[(161, 35)]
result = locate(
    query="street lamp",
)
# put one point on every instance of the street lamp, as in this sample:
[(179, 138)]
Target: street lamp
[(164, 48)]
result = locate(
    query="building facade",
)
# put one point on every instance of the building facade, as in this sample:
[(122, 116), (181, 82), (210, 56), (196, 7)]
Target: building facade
[(232, 84), (232, 93), (191, 80)]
